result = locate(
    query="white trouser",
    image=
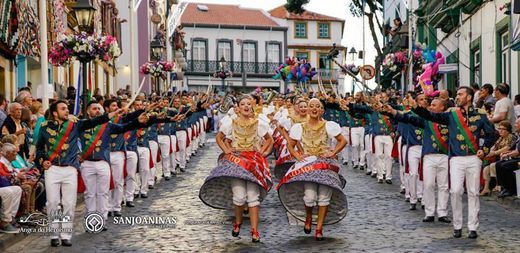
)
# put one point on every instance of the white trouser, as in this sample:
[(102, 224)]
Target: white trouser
[(245, 191), (205, 120), (435, 169), (154, 148), (315, 193), (173, 160), (144, 170), (96, 176), (188, 147), (401, 158), (414, 159), (10, 196), (182, 153), (61, 186), (366, 152), (166, 157), (356, 135), (117, 164), (201, 131), (346, 150), (468, 168), (131, 169), (383, 161)]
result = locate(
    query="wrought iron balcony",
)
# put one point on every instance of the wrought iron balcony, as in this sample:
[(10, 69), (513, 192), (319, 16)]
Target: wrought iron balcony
[(205, 67)]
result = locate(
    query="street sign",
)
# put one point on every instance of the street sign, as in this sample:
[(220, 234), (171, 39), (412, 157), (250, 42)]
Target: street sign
[(367, 72)]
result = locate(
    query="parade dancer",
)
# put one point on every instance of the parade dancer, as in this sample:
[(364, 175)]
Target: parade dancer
[(121, 167), (382, 140), (181, 132), (242, 175), (96, 157), (466, 126), (356, 135), (315, 177), (435, 160), (57, 153), (285, 159), (153, 142), (167, 142)]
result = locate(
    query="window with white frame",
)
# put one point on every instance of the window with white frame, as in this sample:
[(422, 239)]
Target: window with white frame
[(199, 50), (476, 66), (504, 44), (273, 52), (248, 52), (224, 49)]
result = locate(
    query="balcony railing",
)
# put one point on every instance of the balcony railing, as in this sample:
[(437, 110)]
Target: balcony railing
[(260, 68), (201, 66)]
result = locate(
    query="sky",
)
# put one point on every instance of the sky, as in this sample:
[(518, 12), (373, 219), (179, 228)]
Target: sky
[(352, 35)]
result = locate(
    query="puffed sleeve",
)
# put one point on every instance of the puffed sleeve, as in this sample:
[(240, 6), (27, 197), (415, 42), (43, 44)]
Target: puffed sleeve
[(263, 128), (285, 123), (296, 132), (226, 125), (333, 129)]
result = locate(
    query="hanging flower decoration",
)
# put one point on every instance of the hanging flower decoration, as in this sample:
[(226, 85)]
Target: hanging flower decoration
[(395, 61), (84, 47), (157, 68)]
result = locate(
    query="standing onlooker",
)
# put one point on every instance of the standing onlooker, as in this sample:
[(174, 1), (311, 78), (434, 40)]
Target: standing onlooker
[(485, 96), (476, 89), (504, 106), (517, 105), (3, 106)]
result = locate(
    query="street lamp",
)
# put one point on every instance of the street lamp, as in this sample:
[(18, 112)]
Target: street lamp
[(157, 49), (353, 53), (84, 14)]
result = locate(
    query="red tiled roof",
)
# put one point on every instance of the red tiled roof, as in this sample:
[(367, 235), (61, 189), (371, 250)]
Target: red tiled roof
[(219, 14), (281, 12)]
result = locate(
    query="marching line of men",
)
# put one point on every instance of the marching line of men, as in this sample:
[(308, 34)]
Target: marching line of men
[(113, 157), (435, 146)]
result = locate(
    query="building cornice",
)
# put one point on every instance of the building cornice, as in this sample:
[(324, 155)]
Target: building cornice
[(319, 47), (237, 27)]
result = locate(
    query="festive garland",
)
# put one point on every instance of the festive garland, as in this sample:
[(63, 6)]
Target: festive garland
[(28, 30), (59, 10)]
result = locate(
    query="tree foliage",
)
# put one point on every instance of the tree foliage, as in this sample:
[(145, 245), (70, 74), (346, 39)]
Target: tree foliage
[(296, 6)]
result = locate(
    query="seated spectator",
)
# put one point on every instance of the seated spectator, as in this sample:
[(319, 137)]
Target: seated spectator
[(506, 167), (10, 195), (504, 143), (397, 26), (26, 178), (517, 105), (13, 125), (504, 109)]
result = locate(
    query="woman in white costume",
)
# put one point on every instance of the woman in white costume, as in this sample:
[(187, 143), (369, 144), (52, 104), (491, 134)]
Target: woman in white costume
[(242, 175), (315, 178)]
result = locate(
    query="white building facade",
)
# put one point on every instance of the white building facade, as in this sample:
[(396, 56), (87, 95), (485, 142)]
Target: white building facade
[(252, 44), (311, 36)]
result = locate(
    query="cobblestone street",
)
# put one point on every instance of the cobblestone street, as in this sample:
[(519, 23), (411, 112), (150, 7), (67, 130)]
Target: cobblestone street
[(378, 221)]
